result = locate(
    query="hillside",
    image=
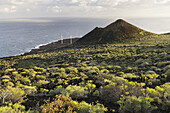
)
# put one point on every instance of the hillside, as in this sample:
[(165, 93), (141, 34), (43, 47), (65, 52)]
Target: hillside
[(119, 31), (128, 77)]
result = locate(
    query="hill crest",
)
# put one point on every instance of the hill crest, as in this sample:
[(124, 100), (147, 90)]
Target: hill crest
[(118, 31)]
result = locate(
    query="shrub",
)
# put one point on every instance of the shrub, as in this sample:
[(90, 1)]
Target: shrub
[(112, 92), (92, 72), (16, 94), (130, 76), (61, 70), (42, 82), (62, 104), (12, 108), (5, 77), (135, 104), (163, 64), (26, 80), (129, 69), (166, 68), (150, 72), (84, 107), (11, 84), (90, 86), (57, 90), (5, 80), (120, 73), (76, 91), (30, 90), (44, 91), (139, 61), (168, 74), (9, 71), (13, 94), (116, 68), (98, 108), (109, 67), (105, 71), (165, 91), (96, 93), (40, 77), (71, 70), (14, 73), (144, 64), (87, 69), (55, 74), (103, 63)]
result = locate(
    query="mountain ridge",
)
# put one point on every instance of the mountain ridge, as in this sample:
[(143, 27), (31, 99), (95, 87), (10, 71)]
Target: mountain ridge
[(118, 31)]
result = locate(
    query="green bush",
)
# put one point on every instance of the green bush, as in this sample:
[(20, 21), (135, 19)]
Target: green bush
[(117, 68), (40, 77), (84, 107), (110, 94), (165, 91), (30, 90), (71, 70), (90, 86), (139, 61), (13, 108), (13, 94), (105, 71), (163, 64), (76, 91), (26, 80), (135, 104), (98, 108), (92, 72), (5, 77), (57, 90), (42, 82)]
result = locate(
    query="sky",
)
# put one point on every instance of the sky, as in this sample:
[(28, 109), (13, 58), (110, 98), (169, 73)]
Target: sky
[(84, 8)]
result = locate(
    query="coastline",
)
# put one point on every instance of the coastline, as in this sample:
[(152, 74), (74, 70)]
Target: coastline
[(51, 46)]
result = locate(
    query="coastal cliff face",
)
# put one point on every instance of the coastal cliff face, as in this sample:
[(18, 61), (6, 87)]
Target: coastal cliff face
[(53, 46)]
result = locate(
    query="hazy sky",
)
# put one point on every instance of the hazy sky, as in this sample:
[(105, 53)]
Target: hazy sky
[(84, 8)]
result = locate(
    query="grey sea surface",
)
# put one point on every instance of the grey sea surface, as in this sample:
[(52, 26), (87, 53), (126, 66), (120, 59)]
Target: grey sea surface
[(18, 36)]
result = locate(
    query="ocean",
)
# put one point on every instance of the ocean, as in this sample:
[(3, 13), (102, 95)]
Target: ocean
[(18, 36)]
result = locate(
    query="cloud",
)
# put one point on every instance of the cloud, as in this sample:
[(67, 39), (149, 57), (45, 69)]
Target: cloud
[(28, 10), (161, 1), (74, 1), (83, 7), (8, 9), (55, 9)]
